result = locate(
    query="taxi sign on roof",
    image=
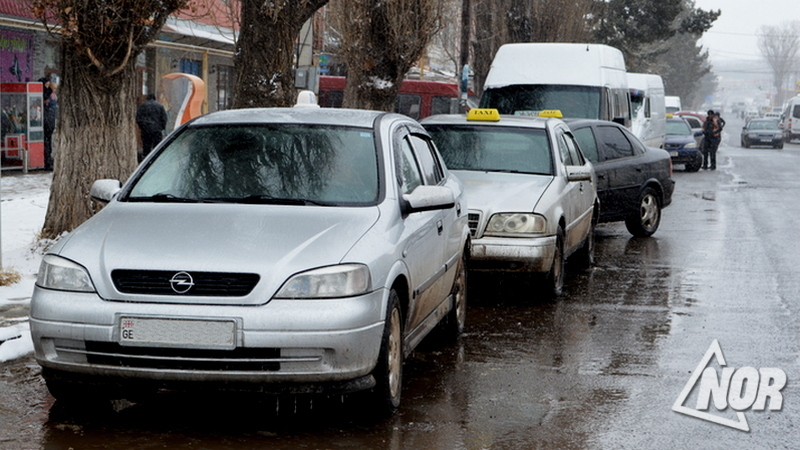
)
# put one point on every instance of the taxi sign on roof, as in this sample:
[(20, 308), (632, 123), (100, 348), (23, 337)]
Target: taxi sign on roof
[(483, 114), (551, 113)]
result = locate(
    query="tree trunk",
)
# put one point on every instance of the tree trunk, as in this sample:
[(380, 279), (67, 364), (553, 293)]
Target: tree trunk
[(101, 109), (382, 40), (265, 51)]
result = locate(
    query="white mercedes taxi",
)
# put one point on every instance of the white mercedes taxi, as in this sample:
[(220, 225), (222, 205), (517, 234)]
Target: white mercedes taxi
[(532, 193)]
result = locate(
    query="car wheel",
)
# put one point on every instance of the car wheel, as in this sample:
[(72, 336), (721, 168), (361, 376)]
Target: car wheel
[(648, 217), (695, 166), (554, 281), (457, 317), (388, 372), (779, 146), (745, 144)]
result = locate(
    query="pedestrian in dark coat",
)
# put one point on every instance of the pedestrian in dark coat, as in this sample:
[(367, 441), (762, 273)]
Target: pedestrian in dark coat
[(712, 136), (50, 99), (152, 118)]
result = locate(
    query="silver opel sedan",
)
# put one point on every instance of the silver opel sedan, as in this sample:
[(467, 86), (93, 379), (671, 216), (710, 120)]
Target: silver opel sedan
[(286, 250), (532, 193)]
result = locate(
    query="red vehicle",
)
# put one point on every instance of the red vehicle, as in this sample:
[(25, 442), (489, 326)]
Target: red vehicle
[(417, 99)]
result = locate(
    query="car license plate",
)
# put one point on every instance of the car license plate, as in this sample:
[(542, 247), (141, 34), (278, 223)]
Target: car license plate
[(766, 140), (208, 334), (673, 153)]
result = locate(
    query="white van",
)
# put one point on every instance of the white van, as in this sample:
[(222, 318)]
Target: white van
[(649, 110), (582, 80), (790, 119), (673, 103)]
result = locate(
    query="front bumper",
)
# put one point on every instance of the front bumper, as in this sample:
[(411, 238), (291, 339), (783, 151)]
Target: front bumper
[(768, 140), (512, 254), (685, 156), (282, 342)]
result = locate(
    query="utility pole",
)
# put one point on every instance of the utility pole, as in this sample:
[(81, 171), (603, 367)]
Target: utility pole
[(463, 60)]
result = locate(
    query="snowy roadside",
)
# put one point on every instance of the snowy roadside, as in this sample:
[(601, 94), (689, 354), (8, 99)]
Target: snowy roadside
[(23, 204)]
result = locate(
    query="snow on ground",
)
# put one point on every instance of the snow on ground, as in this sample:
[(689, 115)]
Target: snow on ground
[(23, 204)]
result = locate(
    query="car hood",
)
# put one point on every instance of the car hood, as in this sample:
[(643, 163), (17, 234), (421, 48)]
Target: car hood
[(679, 139), (273, 241), (767, 132), (491, 192)]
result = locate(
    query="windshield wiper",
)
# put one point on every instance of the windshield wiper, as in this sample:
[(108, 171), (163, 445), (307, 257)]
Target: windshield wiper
[(270, 200), (164, 197)]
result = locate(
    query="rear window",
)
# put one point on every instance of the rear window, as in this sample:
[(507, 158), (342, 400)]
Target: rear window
[(441, 105), (796, 112), (408, 104), (493, 149)]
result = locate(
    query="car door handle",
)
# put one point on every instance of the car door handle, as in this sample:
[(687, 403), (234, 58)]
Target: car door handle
[(439, 227)]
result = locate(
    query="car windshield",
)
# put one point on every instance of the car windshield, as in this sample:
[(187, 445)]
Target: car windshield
[(763, 125), (493, 149), (573, 101), (679, 127), (284, 164)]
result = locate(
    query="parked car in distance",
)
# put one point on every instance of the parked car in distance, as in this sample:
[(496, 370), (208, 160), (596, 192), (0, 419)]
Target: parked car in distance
[(532, 195), (762, 132), (682, 146), (772, 115), (790, 119), (634, 182), (280, 250)]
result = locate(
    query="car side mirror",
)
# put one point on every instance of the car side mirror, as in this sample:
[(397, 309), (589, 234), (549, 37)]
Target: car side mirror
[(698, 133), (428, 198), (578, 173), (105, 190)]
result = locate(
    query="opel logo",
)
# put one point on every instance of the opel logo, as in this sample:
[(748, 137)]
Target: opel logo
[(181, 282)]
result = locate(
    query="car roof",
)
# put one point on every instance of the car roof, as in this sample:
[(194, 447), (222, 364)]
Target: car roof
[(576, 123), (300, 115), (505, 121)]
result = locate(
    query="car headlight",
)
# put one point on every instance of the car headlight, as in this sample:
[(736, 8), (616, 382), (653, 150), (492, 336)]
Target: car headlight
[(691, 145), (345, 280), (778, 136), (62, 274), (752, 135), (515, 224)]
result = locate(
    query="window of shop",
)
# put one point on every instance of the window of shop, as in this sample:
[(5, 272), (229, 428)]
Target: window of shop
[(224, 87)]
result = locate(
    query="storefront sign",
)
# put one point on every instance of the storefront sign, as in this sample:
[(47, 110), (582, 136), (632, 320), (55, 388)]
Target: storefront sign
[(16, 57)]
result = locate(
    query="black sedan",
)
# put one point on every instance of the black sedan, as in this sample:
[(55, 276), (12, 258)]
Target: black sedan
[(762, 132), (634, 182)]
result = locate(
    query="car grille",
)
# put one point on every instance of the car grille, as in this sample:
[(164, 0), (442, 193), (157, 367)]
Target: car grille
[(239, 359), (672, 146), (473, 219), (158, 282)]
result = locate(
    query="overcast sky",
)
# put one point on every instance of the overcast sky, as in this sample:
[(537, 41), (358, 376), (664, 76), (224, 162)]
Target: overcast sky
[(734, 34)]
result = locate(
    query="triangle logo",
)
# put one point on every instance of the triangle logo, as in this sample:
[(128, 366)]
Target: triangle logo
[(716, 352)]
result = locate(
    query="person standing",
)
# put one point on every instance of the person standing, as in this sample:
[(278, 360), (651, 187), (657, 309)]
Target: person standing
[(712, 136), (50, 100), (151, 117)]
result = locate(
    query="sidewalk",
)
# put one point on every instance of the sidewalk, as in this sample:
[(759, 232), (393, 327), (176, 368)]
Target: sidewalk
[(23, 205)]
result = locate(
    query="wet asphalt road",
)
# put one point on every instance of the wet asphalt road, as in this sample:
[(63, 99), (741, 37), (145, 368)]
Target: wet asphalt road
[(598, 368)]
